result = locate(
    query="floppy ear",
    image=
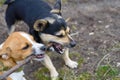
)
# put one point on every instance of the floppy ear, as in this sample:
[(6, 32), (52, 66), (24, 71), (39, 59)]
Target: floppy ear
[(57, 8), (40, 24)]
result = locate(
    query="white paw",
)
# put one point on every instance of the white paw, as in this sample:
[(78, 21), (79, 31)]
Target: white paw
[(54, 75), (54, 78), (72, 64)]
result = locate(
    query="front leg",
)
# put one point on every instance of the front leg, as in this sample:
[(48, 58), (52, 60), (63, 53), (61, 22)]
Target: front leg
[(68, 61), (48, 64)]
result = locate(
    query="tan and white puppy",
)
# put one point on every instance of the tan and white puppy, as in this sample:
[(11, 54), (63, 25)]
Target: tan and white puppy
[(17, 47)]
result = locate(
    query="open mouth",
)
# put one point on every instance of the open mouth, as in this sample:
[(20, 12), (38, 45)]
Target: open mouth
[(58, 47), (39, 56)]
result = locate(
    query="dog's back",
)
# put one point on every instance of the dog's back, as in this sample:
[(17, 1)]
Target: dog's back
[(26, 10)]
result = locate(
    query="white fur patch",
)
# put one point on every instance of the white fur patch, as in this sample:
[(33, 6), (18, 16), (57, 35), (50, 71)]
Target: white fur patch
[(59, 17), (35, 46), (51, 20), (27, 37), (17, 76), (1, 45)]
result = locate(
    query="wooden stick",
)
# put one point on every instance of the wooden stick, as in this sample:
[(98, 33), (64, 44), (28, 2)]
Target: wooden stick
[(68, 19), (76, 33), (7, 73)]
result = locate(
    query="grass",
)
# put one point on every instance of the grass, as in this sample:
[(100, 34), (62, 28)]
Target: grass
[(85, 76), (65, 73), (1, 2), (68, 74), (103, 72), (41, 74), (107, 72)]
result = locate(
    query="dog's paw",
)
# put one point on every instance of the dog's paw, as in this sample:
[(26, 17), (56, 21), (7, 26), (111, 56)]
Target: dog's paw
[(54, 78), (72, 64), (54, 75)]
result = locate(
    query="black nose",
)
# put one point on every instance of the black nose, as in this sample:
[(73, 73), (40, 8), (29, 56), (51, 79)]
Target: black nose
[(43, 48), (73, 44)]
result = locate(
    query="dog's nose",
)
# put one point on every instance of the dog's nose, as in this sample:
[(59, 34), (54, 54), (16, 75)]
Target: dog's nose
[(43, 48), (73, 43)]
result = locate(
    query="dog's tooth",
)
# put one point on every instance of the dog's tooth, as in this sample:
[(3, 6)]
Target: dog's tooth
[(51, 49), (61, 52)]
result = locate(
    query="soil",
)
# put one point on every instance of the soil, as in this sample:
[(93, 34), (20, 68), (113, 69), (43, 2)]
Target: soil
[(95, 26)]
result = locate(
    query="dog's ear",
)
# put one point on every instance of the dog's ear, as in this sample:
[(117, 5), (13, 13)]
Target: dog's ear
[(57, 8), (40, 25)]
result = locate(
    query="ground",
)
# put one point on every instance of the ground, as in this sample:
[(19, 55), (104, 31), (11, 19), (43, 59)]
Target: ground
[(95, 26)]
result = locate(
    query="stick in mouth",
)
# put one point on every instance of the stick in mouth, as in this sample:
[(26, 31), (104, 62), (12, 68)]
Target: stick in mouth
[(7, 73)]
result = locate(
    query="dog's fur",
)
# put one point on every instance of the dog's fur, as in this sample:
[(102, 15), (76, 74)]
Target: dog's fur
[(46, 25), (17, 47)]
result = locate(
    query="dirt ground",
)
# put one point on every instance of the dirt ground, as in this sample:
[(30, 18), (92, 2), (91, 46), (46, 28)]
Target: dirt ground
[(95, 26)]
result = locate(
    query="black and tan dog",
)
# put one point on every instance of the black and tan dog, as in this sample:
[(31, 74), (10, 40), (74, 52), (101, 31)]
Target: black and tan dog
[(46, 25)]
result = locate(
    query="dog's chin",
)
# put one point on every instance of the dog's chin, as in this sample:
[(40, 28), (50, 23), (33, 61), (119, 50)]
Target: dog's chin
[(38, 57), (58, 47)]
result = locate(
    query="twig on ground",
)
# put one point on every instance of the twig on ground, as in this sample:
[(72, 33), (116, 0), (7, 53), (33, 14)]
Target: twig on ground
[(68, 19), (76, 33), (102, 60)]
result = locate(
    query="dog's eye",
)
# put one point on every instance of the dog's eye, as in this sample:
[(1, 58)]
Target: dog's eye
[(26, 47)]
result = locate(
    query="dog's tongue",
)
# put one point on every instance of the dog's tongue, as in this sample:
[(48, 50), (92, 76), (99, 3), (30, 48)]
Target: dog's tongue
[(57, 47), (40, 56)]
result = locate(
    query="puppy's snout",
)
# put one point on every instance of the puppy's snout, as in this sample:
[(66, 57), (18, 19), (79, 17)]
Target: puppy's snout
[(43, 48), (73, 43)]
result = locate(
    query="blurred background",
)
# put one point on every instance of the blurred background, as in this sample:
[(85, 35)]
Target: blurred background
[(95, 26)]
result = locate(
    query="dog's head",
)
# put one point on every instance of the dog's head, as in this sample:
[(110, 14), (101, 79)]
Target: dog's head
[(54, 31), (20, 45)]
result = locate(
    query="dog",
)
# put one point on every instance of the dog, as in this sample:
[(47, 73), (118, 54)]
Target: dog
[(17, 47), (46, 25)]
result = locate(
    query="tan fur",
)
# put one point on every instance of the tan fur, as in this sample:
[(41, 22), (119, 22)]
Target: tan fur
[(48, 63), (11, 51), (13, 47), (47, 37), (63, 32), (9, 78), (65, 41)]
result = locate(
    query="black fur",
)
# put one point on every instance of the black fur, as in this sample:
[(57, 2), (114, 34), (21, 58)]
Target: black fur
[(8, 1), (29, 11)]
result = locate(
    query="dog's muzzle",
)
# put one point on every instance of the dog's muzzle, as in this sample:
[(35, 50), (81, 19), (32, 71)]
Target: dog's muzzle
[(73, 43), (60, 48), (39, 52)]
